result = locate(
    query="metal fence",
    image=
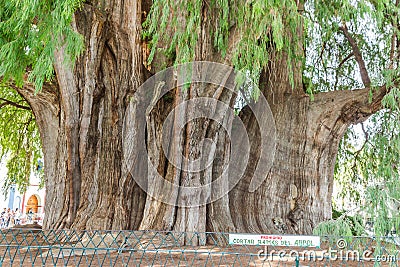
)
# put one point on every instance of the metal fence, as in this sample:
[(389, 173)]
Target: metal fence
[(33, 247)]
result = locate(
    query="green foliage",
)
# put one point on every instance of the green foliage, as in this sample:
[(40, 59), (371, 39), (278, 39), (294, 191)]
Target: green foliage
[(19, 139), (341, 224), (366, 171), (369, 176), (261, 25), (30, 32), (382, 169)]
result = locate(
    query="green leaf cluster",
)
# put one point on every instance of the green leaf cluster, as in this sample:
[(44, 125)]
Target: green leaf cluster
[(263, 26), (367, 163), (342, 224), (30, 33), (20, 144), (330, 62)]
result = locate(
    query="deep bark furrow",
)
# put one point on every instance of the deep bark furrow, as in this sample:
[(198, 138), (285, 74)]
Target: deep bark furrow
[(70, 106)]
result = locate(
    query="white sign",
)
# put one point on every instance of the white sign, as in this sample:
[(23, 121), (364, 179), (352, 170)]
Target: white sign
[(275, 240)]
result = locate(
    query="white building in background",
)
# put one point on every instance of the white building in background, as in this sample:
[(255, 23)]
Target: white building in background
[(33, 198)]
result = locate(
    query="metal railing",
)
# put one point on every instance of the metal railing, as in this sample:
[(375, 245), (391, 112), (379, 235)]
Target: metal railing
[(34, 247)]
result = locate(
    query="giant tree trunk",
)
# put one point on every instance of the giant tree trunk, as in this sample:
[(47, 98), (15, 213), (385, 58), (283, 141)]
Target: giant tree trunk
[(296, 194), (88, 124), (81, 125)]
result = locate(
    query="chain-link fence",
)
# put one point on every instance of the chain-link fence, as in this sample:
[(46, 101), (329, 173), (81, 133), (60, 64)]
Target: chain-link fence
[(33, 247)]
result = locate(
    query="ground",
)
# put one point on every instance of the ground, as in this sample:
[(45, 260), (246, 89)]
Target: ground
[(35, 247)]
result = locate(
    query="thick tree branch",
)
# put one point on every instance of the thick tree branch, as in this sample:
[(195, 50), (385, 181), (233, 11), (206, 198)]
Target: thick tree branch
[(357, 55), (11, 103), (46, 97), (353, 106), (333, 112)]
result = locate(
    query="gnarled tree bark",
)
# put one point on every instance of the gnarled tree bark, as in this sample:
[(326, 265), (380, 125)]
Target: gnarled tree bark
[(85, 143)]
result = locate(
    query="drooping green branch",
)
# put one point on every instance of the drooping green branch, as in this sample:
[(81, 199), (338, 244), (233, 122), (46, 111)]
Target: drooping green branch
[(260, 27), (30, 33), (19, 138)]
